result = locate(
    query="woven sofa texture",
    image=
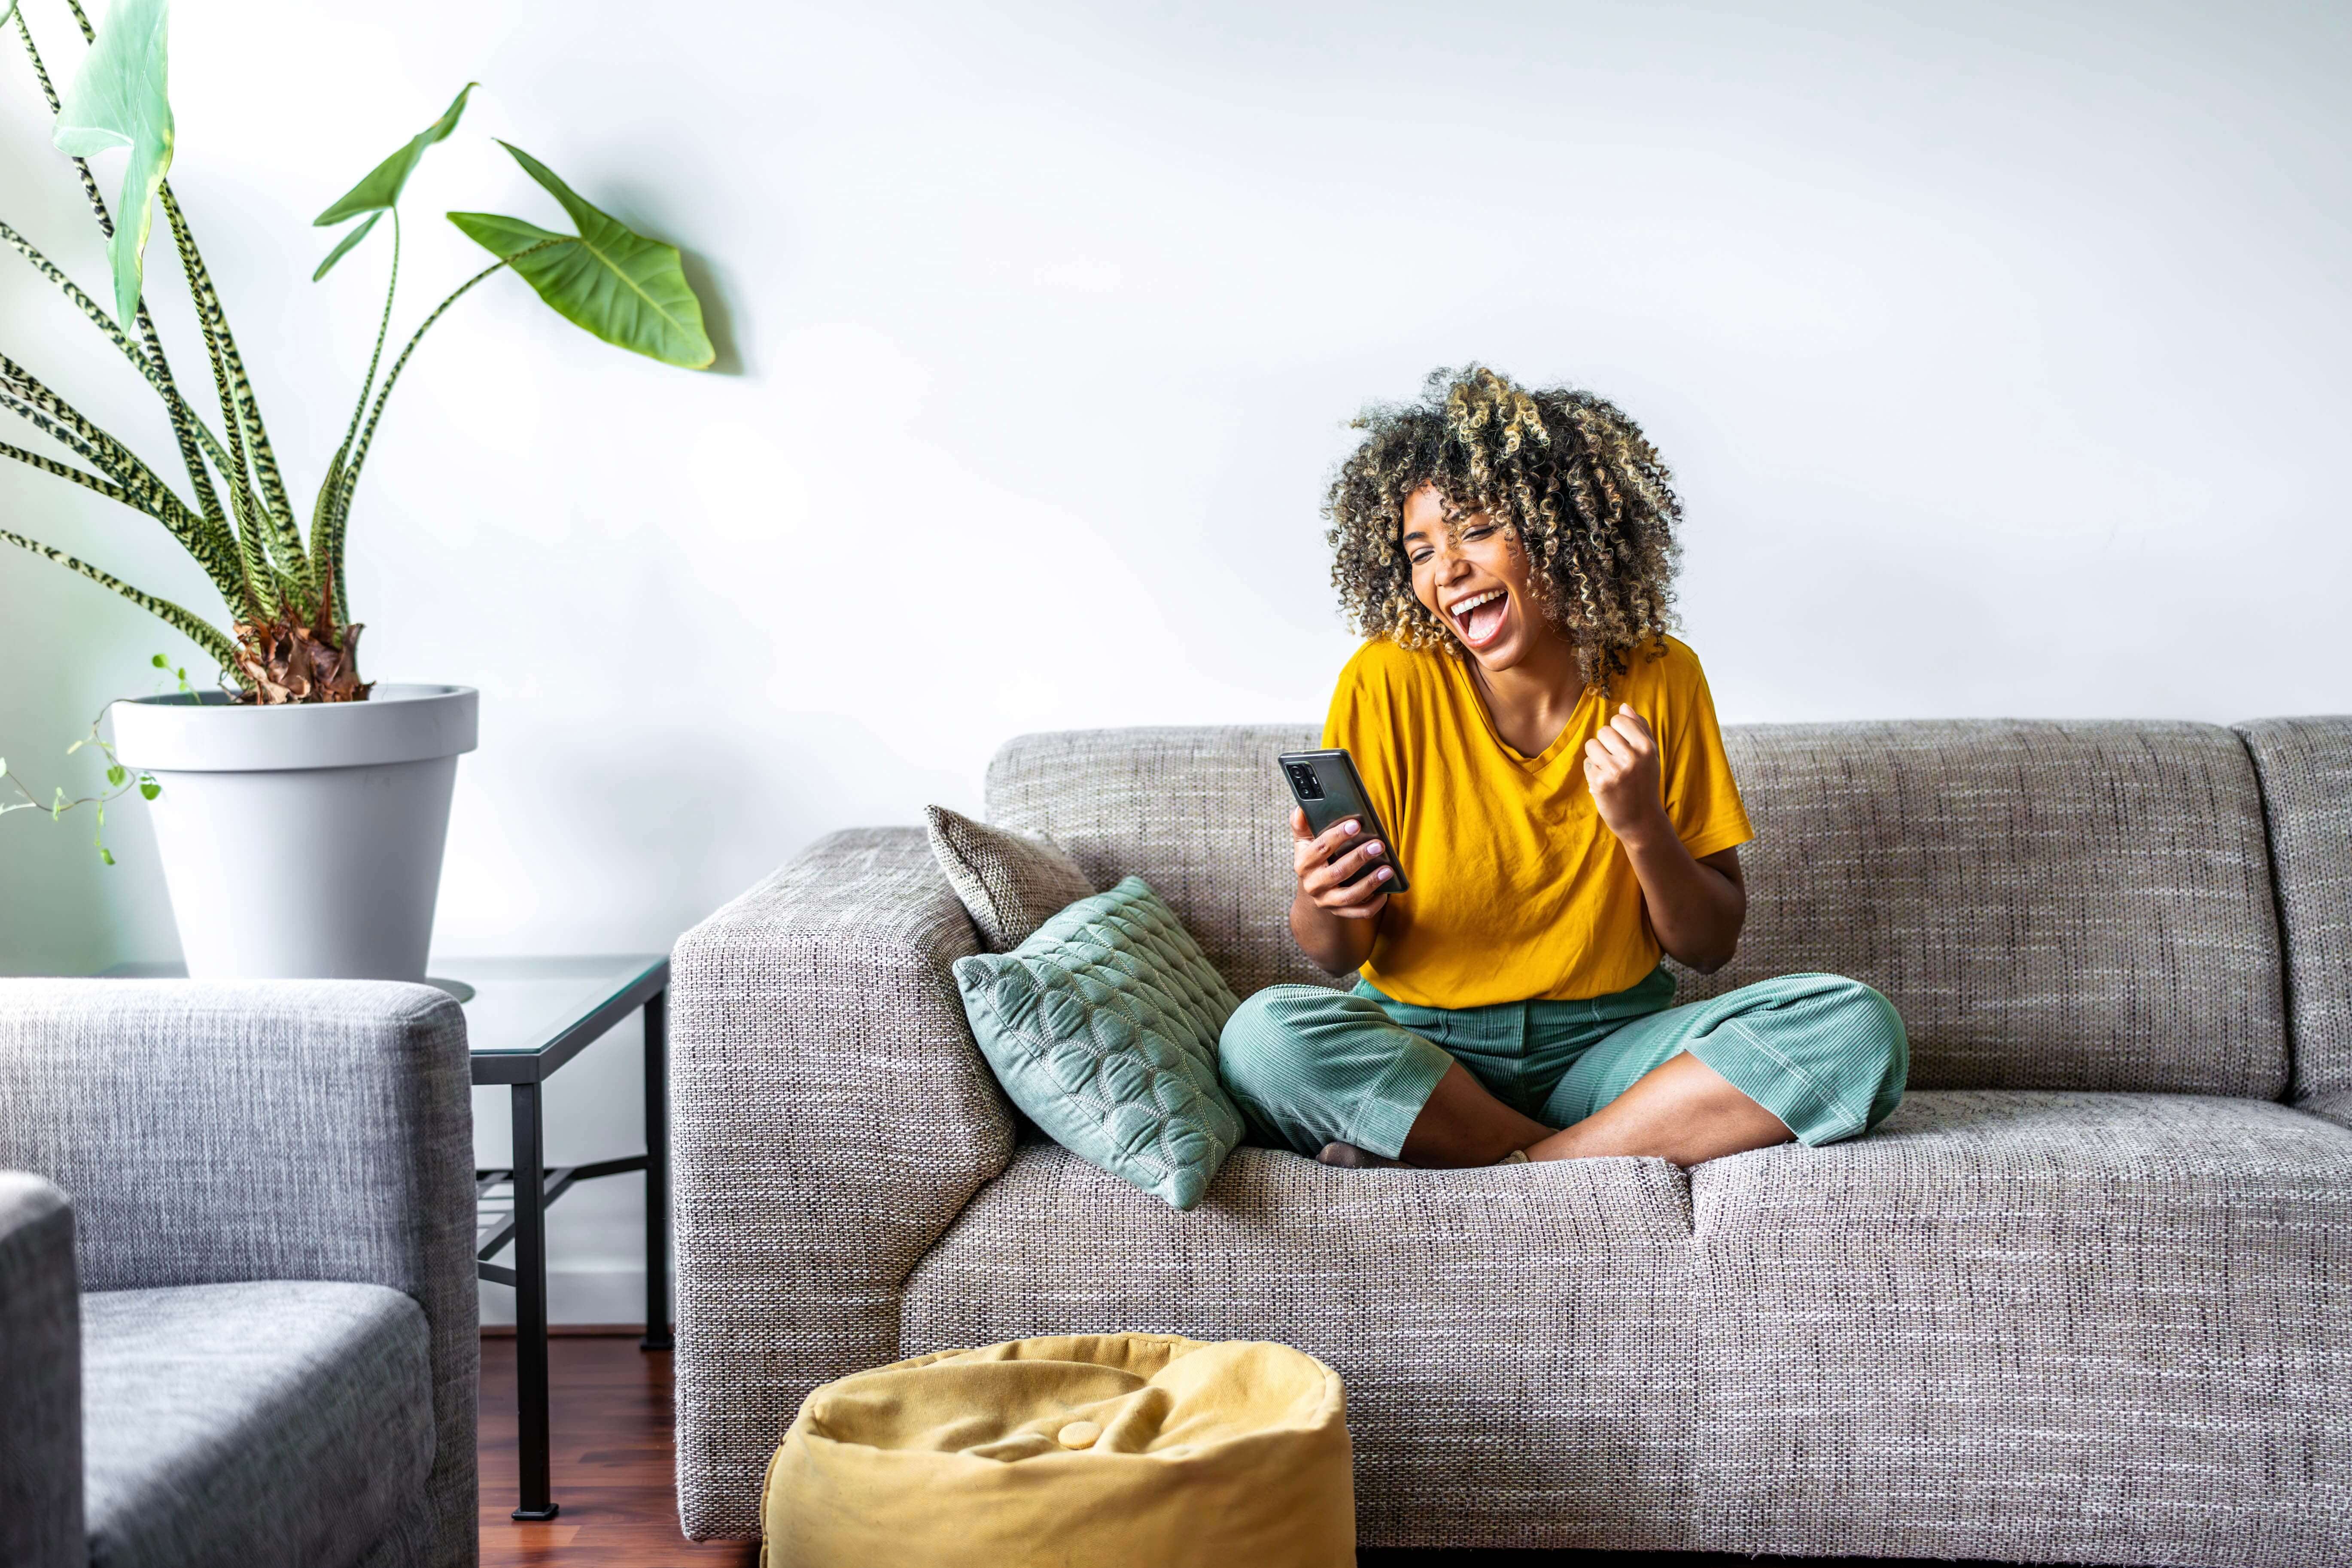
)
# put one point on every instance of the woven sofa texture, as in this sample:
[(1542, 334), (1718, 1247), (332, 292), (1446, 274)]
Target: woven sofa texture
[(238, 1325), (2087, 1297)]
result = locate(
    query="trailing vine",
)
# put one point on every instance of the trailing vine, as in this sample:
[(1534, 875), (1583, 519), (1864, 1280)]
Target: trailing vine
[(121, 780)]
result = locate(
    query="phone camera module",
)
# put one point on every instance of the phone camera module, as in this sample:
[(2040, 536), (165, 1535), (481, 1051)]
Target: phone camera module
[(1303, 780)]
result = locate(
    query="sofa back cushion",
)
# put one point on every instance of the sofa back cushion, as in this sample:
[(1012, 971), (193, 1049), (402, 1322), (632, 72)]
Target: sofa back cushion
[(2306, 766), (2050, 905), (1202, 813)]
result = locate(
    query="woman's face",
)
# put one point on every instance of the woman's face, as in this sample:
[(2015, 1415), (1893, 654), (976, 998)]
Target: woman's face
[(1474, 577)]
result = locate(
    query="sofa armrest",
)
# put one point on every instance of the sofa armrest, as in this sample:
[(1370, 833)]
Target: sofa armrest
[(40, 1378), (263, 1130), (830, 1117)]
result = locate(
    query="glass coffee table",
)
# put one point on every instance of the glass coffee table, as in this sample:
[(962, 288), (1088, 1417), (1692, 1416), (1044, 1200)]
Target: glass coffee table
[(525, 1017)]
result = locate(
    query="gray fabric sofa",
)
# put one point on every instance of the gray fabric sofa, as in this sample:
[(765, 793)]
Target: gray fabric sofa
[(268, 1359), (2087, 1297)]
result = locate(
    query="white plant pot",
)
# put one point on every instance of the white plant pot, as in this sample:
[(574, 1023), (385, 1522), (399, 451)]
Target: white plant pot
[(302, 840)]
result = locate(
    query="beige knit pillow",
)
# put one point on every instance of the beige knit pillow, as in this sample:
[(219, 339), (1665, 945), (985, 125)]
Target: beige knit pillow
[(1010, 883)]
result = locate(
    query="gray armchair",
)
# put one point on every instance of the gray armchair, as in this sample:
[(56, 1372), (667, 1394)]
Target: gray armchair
[(271, 1353)]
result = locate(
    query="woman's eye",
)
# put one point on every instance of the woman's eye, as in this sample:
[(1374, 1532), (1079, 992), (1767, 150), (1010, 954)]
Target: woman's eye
[(1481, 532)]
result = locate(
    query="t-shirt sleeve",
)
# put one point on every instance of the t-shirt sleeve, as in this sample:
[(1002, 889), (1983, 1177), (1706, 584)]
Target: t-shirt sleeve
[(1362, 722), (1702, 800)]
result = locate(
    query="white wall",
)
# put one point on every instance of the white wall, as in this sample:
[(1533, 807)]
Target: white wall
[(2000, 349)]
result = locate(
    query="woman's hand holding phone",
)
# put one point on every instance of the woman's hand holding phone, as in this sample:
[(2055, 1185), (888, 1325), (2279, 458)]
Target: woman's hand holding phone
[(1323, 879)]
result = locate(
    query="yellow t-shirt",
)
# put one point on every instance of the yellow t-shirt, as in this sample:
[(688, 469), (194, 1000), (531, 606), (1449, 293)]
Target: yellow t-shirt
[(1520, 889)]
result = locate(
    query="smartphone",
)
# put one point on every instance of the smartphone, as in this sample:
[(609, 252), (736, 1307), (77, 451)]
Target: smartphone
[(1327, 789)]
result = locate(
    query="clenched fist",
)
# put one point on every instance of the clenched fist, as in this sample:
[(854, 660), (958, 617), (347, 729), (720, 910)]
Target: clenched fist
[(1621, 768)]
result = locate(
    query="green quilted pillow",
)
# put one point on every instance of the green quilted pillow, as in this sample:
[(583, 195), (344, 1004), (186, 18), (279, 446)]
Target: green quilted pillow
[(1103, 1027)]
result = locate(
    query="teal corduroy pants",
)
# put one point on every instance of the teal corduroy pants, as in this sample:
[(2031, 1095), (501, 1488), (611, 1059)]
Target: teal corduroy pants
[(1309, 1067)]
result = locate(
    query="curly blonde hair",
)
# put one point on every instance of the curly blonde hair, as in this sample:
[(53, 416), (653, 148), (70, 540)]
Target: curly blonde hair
[(1573, 479)]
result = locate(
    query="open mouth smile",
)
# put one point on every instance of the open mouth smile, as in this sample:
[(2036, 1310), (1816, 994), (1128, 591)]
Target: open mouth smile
[(1478, 617)]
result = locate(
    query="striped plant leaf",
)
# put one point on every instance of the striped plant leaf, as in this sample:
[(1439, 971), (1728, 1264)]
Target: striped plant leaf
[(221, 562), (58, 419), (25, 395), (186, 429), (208, 534), (258, 598), (138, 496), (249, 440), (326, 535), (84, 303), (257, 590), (68, 471), (623, 287), (101, 452), (118, 100), (193, 626), (367, 431), (332, 513)]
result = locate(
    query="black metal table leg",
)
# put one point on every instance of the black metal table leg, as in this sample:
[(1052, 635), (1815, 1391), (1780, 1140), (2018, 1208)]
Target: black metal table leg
[(657, 1335), (531, 1306)]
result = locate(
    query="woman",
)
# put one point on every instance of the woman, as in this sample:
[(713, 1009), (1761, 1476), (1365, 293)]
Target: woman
[(1549, 762)]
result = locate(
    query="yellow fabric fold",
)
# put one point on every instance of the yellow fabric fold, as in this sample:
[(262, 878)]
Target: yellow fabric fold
[(1194, 1456)]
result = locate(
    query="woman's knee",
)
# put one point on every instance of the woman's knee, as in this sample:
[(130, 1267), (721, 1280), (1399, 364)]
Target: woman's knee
[(1870, 1033), (1262, 1036), (1845, 1038)]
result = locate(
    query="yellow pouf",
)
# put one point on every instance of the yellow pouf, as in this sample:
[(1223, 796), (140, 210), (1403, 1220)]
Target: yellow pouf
[(1139, 1450)]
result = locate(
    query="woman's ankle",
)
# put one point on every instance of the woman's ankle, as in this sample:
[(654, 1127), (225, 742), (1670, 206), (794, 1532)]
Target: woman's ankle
[(1567, 1144)]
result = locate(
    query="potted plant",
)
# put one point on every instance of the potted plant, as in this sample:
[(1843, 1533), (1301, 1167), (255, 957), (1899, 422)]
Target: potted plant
[(302, 809)]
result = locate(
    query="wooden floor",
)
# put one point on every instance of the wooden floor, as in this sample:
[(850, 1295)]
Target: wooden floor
[(610, 1413)]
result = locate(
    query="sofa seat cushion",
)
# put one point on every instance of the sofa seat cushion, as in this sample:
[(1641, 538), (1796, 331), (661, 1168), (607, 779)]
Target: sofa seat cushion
[(1516, 1342), (251, 1425), (2033, 1325)]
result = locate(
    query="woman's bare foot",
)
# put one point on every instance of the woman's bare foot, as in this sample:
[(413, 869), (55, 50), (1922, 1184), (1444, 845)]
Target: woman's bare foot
[(1356, 1159)]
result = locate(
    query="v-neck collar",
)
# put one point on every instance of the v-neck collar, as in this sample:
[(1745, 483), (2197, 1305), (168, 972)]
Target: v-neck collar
[(1467, 685)]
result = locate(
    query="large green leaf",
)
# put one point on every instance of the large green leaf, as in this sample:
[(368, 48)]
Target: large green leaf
[(608, 280), (384, 183), (118, 99)]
